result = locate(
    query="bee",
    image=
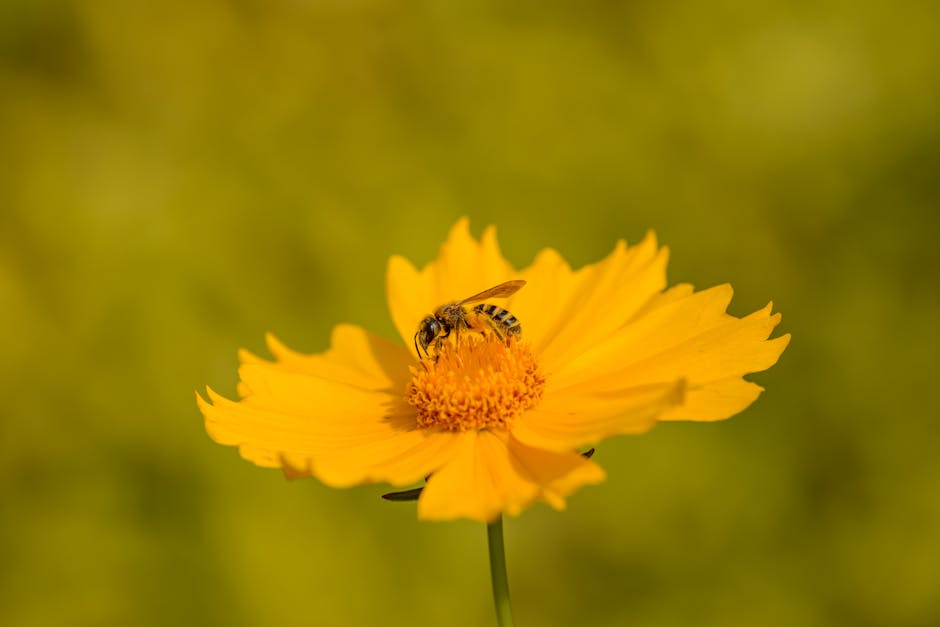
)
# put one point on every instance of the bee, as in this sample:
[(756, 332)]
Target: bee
[(434, 329)]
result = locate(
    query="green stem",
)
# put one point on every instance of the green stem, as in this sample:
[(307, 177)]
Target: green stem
[(494, 534)]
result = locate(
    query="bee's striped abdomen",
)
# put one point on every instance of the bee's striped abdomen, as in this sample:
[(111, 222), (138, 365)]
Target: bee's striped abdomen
[(500, 319)]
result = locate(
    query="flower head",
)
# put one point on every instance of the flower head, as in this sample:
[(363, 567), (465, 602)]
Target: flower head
[(496, 419)]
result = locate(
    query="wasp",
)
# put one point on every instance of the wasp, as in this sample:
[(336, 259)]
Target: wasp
[(434, 329)]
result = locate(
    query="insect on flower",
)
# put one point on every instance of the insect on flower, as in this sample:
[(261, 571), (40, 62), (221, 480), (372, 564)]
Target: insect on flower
[(454, 316), (497, 420)]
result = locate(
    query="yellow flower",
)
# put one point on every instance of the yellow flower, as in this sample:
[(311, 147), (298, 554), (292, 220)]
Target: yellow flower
[(497, 424)]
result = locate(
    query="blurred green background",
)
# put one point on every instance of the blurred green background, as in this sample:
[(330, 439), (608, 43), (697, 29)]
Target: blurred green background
[(178, 178)]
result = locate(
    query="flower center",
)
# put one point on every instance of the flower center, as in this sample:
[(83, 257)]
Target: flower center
[(482, 382)]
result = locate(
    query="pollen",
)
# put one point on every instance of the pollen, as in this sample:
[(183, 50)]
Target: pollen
[(480, 382)]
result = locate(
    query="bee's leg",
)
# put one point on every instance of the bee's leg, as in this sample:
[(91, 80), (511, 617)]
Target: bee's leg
[(466, 324), (457, 354), (492, 326)]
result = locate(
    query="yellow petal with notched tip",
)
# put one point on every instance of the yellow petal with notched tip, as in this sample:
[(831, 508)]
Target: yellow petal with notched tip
[(564, 312)]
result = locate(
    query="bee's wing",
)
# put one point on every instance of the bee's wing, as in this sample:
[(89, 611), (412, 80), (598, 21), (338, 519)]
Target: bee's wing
[(503, 290)]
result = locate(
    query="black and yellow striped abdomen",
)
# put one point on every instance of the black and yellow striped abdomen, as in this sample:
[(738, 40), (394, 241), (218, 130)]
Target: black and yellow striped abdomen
[(503, 322)]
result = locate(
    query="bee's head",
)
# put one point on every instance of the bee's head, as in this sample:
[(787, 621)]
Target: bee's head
[(429, 329)]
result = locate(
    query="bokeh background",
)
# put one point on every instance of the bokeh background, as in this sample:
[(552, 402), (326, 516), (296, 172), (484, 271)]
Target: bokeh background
[(178, 178)]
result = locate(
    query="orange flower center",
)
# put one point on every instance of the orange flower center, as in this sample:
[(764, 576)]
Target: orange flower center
[(482, 382)]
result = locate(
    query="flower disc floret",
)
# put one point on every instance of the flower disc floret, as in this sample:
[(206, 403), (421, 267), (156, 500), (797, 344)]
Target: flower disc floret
[(480, 382)]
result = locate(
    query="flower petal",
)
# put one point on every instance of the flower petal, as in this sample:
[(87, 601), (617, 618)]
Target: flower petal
[(550, 289), (715, 400), (494, 473), (690, 337), (463, 267), (565, 421), (674, 293), (409, 297), (564, 313), (349, 440), (339, 415), (356, 357)]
